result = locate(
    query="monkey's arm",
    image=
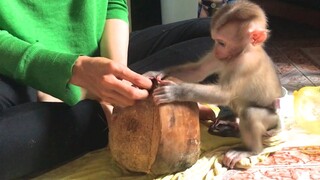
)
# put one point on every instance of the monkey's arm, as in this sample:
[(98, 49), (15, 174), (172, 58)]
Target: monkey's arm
[(194, 72), (170, 92)]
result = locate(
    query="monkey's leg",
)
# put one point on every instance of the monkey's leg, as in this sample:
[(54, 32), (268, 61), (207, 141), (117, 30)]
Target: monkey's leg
[(254, 122)]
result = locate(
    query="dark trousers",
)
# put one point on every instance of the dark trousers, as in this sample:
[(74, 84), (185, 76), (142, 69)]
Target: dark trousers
[(36, 137)]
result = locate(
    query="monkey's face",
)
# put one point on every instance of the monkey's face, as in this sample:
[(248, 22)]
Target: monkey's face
[(228, 44)]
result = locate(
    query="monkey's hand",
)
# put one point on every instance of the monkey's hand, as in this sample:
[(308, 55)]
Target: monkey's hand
[(168, 92), (159, 75), (233, 156)]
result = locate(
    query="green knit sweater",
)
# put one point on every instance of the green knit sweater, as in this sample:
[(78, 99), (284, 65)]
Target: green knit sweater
[(41, 39)]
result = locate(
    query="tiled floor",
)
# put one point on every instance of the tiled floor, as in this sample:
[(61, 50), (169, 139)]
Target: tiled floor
[(295, 49)]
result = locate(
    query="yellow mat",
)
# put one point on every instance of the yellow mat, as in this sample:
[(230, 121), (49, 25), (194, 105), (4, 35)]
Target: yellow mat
[(99, 164)]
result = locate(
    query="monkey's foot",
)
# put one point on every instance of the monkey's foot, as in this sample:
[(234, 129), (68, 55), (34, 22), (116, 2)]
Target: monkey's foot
[(233, 156)]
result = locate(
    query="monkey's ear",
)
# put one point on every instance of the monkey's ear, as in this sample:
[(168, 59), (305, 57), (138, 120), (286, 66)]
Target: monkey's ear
[(258, 36)]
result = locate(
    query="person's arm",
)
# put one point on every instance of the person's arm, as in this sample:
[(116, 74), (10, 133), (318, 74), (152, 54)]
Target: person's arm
[(37, 66), (103, 78), (115, 38), (114, 42), (113, 45), (55, 73)]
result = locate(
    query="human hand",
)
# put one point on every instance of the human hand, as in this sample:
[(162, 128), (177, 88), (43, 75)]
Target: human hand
[(103, 79)]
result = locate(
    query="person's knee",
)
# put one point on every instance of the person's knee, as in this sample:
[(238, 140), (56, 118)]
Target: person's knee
[(93, 122), (12, 93)]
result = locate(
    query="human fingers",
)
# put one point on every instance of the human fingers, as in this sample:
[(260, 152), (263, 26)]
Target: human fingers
[(110, 96), (127, 90), (115, 98), (140, 81)]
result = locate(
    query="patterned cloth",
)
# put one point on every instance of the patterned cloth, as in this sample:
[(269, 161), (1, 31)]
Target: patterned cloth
[(99, 164)]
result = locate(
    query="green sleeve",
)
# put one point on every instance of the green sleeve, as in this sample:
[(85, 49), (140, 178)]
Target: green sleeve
[(38, 67), (117, 9)]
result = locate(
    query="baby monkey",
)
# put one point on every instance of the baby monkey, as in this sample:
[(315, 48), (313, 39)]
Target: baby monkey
[(248, 82)]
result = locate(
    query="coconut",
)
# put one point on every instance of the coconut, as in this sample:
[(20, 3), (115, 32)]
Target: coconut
[(155, 139)]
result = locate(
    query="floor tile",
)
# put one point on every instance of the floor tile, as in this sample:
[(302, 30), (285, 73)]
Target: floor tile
[(273, 51), (314, 78), (313, 53), (297, 43), (283, 67), (295, 80)]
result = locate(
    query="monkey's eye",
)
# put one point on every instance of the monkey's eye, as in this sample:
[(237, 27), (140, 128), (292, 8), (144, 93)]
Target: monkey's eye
[(221, 43)]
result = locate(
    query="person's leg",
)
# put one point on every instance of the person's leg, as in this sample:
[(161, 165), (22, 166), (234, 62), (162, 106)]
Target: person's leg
[(149, 41), (179, 53), (13, 93), (35, 137)]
